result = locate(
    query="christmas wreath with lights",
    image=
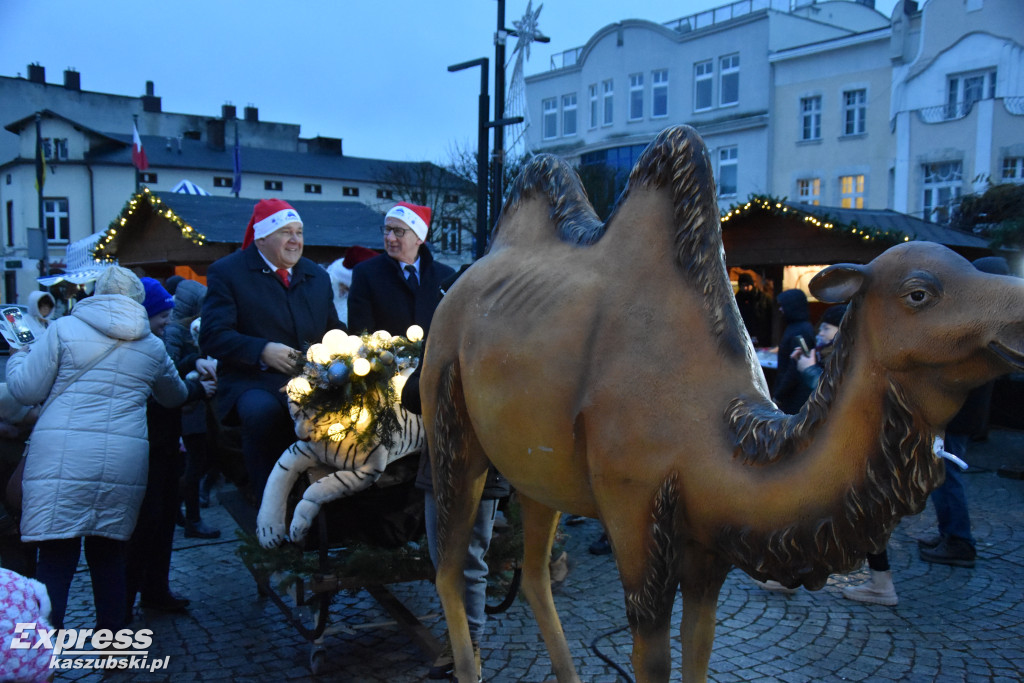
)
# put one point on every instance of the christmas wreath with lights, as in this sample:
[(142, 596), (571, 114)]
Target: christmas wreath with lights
[(350, 384)]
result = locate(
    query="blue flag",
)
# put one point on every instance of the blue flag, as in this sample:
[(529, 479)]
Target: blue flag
[(236, 184)]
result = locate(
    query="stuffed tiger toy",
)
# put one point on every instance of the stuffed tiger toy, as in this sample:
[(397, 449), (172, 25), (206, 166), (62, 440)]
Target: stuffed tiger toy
[(355, 468)]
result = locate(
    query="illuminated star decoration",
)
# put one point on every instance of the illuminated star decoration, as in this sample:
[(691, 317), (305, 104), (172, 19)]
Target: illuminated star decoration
[(527, 28)]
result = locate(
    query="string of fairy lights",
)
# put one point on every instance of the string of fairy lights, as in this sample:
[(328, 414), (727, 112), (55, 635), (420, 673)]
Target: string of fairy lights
[(106, 248), (765, 204)]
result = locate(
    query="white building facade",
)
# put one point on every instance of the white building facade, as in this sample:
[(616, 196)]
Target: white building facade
[(829, 103), (87, 144)]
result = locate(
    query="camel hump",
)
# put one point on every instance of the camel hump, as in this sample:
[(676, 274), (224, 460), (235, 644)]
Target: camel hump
[(547, 201)]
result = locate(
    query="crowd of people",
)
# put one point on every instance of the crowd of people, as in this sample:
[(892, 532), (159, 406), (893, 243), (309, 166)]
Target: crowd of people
[(120, 396)]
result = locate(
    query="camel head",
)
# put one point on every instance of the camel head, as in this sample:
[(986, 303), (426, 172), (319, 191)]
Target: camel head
[(932, 321)]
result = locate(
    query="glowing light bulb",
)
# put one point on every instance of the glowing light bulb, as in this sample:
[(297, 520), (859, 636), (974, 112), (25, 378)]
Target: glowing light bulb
[(414, 333), (380, 337), (298, 387), (318, 353), (336, 342), (360, 366), (336, 432)]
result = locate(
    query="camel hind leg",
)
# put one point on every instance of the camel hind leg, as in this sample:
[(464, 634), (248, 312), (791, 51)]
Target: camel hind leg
[(459, 471), (539, 525)]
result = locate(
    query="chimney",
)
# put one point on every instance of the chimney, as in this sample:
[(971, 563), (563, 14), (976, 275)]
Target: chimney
[(215, 134), (322, 145), (227, 111), (150, 102), (37, 73), (252, 113), (72, 80)]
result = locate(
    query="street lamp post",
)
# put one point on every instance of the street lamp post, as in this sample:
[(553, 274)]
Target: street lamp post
[(483, 113)]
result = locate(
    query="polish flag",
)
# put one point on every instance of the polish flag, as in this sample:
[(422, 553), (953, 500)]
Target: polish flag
[(138, 154)]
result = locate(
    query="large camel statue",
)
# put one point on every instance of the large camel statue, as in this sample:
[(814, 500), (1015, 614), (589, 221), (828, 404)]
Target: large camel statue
[(605, 372)]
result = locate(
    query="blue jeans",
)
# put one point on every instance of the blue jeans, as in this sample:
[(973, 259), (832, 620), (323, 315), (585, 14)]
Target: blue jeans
[(950, 499), (267, 430), (106, 558), (475, 570)]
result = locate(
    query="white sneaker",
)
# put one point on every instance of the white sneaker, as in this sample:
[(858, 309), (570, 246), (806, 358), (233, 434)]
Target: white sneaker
[(878, 590)]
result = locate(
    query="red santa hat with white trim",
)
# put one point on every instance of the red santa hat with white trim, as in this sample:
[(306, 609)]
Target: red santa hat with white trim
[(415, 216), (267, 216)]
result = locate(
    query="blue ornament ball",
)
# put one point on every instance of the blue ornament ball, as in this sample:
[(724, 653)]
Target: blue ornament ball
[(337, 373)]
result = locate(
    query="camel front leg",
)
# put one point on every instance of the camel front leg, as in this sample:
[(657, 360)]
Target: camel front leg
[(271, 529), (703, 576), (539, 525)]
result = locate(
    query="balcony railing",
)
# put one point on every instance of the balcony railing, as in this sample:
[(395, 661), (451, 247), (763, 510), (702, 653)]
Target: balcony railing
[(731, 11), (700, 20), (564, 59), (945, 112)]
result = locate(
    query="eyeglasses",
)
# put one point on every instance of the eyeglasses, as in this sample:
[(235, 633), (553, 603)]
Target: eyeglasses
[(399, 232)]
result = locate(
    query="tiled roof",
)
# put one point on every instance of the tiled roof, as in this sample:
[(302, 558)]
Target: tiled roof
[(324, 223)]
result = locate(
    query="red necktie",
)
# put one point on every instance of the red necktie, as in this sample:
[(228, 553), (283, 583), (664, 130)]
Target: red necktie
[(283, 274)]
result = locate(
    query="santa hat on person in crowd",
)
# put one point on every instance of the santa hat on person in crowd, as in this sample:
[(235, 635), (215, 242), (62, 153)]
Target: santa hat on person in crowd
[(341, 270), (267, 216), (415, 216)]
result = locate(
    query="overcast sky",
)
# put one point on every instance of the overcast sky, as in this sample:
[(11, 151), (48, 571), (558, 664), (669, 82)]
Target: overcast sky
[(372, 73)]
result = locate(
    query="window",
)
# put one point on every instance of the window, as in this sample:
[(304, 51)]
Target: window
[(592, 93), (729, 80), (703, 76), (810, 118), (222, 181), (942, 183), (313, 188), (550, 118), (851, 191), (727, 170), (55, 149), (55, 219), (636, 97), (607, 93), (659, 93), (349, 191), (273, 185), (809, 190), (385, 194), (147, 177), (10, 223), (1013, 169), (451, 199), (966, 89), (569, 115), (855, 112)]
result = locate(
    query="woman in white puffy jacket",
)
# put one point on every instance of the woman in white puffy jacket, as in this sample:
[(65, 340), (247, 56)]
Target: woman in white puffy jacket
[(87, 460)]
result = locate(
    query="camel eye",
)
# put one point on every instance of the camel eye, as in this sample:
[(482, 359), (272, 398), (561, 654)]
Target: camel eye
[(920, 291)]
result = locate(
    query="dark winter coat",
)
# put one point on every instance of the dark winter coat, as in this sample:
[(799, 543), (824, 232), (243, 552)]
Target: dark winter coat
[(382, 299), (247, 306), (790, 391)]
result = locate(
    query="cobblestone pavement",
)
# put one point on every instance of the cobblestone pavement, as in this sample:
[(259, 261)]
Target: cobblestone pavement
[(952, 624)]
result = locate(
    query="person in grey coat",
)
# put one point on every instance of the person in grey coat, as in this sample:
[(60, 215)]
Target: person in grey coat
[(87, 462)]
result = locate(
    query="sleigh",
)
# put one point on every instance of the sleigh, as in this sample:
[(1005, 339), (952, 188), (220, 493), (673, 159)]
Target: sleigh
[(341, 512)]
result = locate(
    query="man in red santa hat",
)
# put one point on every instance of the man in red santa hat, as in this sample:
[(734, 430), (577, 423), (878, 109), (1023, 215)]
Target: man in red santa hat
[(400, 288), (265, 304)]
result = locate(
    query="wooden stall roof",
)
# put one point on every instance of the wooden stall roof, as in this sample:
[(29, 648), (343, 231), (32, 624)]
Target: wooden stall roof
[(179, 229), (767, 231)]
